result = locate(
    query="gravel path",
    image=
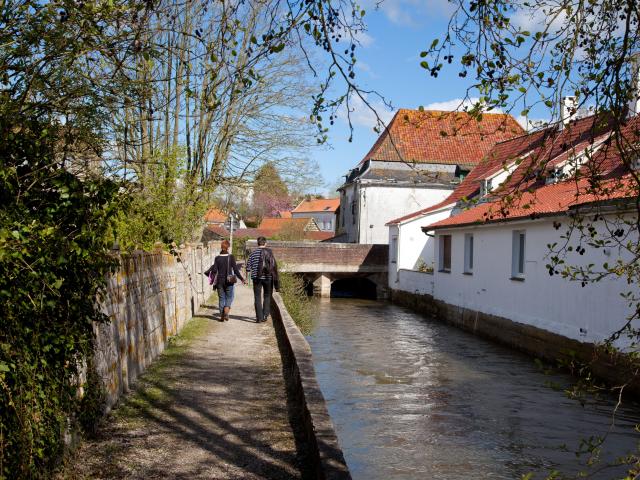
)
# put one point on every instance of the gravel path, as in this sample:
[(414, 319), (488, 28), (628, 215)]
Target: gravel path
[(217, 411)]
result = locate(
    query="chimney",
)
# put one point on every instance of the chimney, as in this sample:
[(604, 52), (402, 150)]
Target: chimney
[(568, 110), (634, 94)]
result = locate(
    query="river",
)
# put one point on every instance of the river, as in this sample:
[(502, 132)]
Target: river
[(413, 398)]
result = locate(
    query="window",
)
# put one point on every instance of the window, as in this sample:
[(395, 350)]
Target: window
[(517, 254), (445, 253), (468, 253), (485, 187)]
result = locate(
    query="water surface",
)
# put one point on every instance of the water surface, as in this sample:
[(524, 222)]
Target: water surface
[(413, 398)]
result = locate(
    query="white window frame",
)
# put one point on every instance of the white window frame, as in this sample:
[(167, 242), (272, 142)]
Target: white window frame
[(518, 254), (441, 258), (468, 253)]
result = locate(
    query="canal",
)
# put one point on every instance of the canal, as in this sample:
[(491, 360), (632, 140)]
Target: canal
[(413, 398)]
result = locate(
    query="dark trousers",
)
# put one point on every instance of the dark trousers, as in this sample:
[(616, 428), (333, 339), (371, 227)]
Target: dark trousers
[(262, 288)]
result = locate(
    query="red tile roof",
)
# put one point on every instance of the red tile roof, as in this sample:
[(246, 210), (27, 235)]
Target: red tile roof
[(318, 205), (295, 228), (218, 230), (548, 200), (501, 155), (278, 224), (525, 195), (215, 215), (252, 233), (284, 214), (440, 137), (318, 236)]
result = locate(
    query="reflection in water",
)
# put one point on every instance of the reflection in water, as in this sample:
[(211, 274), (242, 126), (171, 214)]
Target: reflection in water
[(414, 398)]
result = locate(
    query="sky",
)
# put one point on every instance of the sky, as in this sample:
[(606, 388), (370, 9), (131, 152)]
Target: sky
[(388, 62)]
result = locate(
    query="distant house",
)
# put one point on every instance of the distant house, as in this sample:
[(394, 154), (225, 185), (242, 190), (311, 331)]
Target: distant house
[(323, 210), (216, 217), (415, 163), (285, 229)]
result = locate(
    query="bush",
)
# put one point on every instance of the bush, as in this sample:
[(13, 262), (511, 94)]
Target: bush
[(296, 300), (54, 261)]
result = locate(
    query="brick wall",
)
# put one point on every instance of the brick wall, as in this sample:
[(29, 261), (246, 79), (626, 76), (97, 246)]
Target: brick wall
[(148, 300), (329, 253)]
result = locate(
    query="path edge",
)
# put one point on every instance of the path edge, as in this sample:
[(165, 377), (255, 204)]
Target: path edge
[(321, 444)]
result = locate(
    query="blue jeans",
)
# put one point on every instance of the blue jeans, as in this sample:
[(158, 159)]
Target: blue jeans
[(225, 296)]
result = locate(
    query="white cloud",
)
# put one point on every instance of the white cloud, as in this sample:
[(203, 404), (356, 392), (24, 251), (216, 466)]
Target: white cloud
[(453, 104), (363, 116), (535, 19), (365, 67), (364, 39), (530, 124), (413, 12), (358, 36)]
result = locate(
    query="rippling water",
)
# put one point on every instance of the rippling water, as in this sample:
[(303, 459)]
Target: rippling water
[(414, 398)]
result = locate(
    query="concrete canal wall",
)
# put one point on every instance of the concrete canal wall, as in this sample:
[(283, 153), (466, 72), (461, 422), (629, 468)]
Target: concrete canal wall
[(148, 301), (535, 341), (315, 434)]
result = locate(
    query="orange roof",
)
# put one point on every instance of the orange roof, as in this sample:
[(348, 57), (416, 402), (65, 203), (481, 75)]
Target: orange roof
[(501, 155), (433, 136), (318, 236), (215, 215), (277, 224), (319, 205), (284, 214), (218, 230), (548, 200), (525, 195)]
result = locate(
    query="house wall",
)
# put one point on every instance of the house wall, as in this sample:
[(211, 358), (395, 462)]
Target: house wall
[(380, 204), (412, 246), (347, 222), (326, 220), (551, 303)]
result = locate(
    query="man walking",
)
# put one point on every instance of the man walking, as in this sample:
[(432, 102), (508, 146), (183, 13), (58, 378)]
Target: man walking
[(263, 269)]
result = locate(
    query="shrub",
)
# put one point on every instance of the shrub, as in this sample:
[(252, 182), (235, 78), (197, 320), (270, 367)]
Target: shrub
[(296, 300), (54, 260)]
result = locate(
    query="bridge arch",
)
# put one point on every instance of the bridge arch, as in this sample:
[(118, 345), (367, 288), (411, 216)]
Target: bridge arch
[(324, 263)]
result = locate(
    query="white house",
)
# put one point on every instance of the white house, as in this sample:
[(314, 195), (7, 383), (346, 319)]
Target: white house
[(323, 210), (410, 249), (416, 162), (492, 252)]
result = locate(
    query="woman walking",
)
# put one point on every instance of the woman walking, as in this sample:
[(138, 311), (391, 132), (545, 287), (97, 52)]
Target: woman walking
[(225, 273)]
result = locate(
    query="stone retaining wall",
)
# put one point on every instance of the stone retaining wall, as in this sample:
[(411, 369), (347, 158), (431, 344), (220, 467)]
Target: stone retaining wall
[(148, 300), (613, 369), (314, 431)]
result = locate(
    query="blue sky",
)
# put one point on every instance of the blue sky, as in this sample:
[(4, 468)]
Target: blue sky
[(389, 62)]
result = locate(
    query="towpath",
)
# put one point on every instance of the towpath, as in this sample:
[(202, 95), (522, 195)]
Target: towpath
[(214, 406)]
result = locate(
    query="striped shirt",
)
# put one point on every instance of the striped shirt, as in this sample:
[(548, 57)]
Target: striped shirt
[(254, 263)]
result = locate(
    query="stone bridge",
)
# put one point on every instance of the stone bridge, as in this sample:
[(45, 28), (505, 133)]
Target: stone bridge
[(324, 263)]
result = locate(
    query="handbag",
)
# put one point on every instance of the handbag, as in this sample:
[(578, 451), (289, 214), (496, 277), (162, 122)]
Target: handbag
[(213, 278), (231, 279)]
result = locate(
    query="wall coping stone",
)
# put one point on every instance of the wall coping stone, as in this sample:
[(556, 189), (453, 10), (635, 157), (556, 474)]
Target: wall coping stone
[(320, 437)]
